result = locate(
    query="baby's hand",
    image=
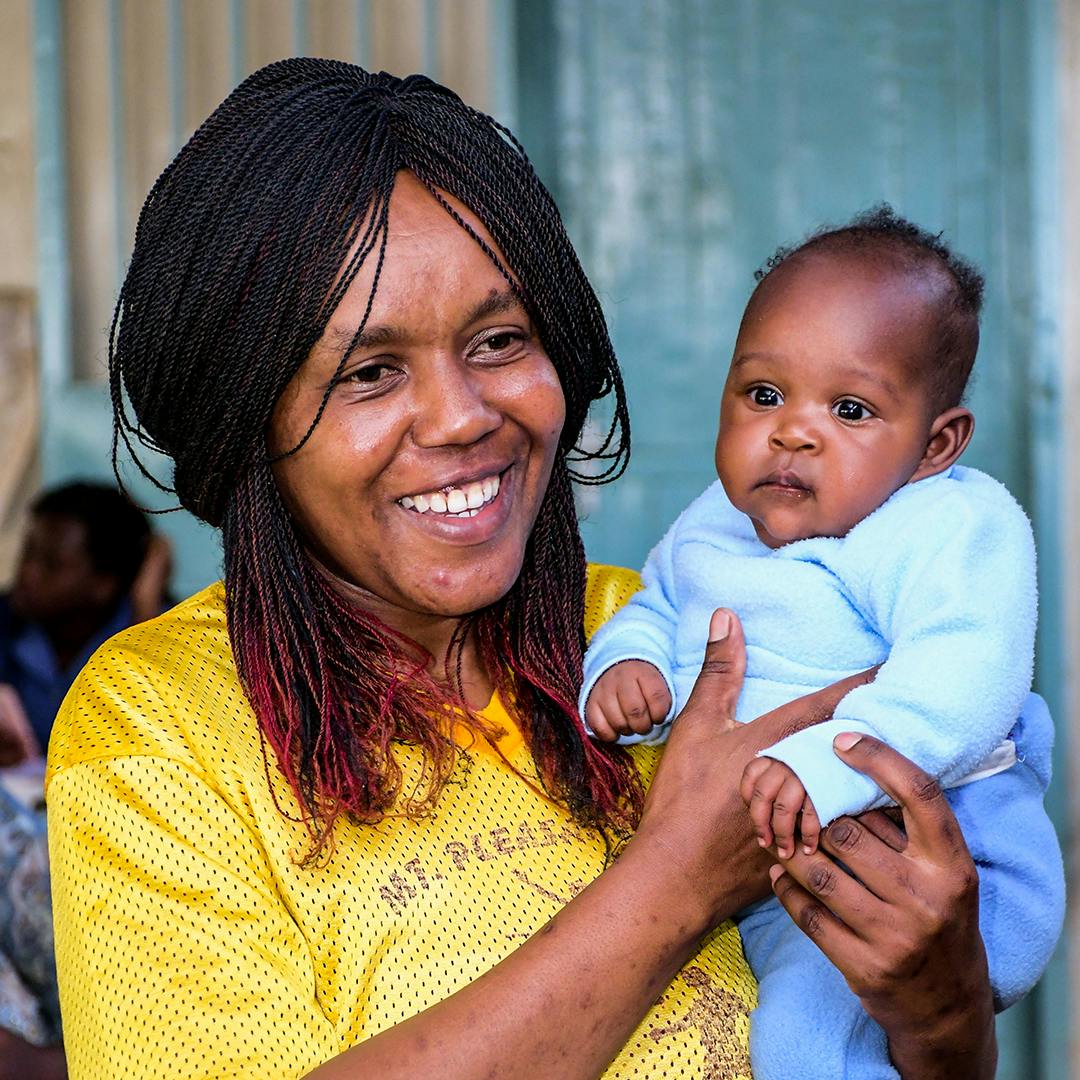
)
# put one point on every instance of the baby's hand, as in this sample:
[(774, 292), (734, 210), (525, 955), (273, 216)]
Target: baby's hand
[(776, 798), (628, 699)]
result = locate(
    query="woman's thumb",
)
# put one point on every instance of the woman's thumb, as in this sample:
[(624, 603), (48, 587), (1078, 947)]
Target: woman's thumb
[(718, 686)]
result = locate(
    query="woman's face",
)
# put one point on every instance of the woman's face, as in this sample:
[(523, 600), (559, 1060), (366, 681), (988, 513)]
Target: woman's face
[(421, 483)]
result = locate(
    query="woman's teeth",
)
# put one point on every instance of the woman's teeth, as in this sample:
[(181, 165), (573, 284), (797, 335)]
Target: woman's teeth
[(453, 501)]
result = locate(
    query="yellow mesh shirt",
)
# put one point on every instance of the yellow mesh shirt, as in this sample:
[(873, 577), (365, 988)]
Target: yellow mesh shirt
[(191, 944)]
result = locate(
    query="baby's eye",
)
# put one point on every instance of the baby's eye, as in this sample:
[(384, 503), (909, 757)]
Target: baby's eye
[(768, 397), (849, 409)]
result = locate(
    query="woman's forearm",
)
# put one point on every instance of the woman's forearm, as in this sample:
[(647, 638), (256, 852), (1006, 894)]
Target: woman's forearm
[(565, 1002), (963, 1045), (945, 1035), (902, 925)]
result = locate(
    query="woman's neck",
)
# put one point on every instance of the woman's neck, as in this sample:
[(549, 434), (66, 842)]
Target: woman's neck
[(436, 634), (439, 637)]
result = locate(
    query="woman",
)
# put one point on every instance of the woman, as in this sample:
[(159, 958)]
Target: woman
[(342, 812)]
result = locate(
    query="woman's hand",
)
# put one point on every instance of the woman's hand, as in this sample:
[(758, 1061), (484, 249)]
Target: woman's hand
[(905, 930), (17, 740), (694, 812), (152, 581)]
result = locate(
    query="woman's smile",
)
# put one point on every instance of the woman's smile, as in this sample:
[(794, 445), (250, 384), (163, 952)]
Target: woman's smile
[(458, 498), (420, 484), (464, 513)]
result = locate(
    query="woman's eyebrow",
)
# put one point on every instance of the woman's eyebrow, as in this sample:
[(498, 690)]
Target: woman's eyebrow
[(339, 338), (496, 302)]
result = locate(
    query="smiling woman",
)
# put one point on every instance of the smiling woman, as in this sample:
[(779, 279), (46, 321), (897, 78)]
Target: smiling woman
[(341, 814)]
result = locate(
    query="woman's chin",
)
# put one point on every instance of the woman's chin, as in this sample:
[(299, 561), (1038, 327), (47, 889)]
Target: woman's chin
[(457, 593)]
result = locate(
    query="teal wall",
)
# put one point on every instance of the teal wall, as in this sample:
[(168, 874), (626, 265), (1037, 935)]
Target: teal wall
[(686, 139)]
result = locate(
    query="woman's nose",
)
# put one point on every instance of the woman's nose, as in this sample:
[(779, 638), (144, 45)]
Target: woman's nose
[(453, 409)]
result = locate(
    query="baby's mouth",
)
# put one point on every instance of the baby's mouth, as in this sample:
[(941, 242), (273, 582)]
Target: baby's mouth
[(785, 480)]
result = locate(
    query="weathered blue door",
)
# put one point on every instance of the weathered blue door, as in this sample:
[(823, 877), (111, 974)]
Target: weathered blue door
[(686, 139)]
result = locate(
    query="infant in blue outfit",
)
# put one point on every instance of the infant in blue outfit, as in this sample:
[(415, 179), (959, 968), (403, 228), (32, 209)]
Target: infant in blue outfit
[(844, 535)]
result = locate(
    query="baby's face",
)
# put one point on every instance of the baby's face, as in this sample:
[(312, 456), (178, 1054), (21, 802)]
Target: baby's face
[(823, 415)]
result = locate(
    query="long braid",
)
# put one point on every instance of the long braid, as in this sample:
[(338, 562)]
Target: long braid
[(540, 666), (245, 246)]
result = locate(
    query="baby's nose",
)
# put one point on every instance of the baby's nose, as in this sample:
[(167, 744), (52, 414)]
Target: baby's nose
[(792, 438)]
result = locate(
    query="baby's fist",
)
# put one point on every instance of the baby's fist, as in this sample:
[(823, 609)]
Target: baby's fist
[(777, 798), (630, 698)]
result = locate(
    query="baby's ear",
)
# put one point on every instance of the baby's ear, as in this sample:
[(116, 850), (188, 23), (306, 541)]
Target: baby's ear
[(949, 435)]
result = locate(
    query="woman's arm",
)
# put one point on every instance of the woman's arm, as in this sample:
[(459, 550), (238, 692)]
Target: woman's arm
[(158, 883), (565, 1002), (906, 933)]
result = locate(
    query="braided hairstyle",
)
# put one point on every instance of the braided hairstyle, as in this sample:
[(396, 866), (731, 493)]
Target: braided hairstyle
[(242, 252)]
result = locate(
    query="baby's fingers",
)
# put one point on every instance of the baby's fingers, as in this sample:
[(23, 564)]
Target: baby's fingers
[(656, 694), (786, 806), (634, 708), (809, 827), (763, 793), (598, 721), (750, 776)]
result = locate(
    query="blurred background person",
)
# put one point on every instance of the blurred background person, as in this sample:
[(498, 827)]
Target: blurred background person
[(30, 1041), (89, 567)]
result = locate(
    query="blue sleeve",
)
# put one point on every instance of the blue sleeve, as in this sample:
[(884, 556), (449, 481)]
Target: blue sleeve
[(643, 629), (948, 578), (1013, 843)]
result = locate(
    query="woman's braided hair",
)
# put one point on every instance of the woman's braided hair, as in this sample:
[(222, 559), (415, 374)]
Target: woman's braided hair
[(242, 252)]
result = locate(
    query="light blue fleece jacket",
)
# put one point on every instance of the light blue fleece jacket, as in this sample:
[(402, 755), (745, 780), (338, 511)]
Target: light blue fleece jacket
[(937, 585)]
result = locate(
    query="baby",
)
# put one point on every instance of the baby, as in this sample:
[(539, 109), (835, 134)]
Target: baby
[(845, 535)]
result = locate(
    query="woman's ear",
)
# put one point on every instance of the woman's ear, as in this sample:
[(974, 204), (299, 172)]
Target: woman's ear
[(949, 435)]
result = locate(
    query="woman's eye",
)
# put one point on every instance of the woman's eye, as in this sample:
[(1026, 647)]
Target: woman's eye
[(369, 375), (768, 397), (849, 409), (500, 343)]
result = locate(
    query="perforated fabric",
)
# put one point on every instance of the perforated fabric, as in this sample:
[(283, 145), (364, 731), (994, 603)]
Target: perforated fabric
[(191, 944)]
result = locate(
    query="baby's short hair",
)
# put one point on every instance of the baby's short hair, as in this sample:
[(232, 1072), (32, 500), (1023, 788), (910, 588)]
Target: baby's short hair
[(880, 230)]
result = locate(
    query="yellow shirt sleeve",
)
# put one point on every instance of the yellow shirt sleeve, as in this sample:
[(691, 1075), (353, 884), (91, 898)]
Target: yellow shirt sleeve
[(168, 884)]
